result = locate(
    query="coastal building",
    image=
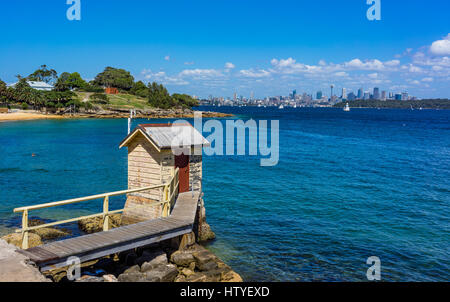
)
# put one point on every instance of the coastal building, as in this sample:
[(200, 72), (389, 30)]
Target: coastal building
[(151, 161), (42, 86), (111, 90)]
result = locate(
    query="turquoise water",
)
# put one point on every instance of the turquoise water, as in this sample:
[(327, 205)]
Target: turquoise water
[(348, 186)]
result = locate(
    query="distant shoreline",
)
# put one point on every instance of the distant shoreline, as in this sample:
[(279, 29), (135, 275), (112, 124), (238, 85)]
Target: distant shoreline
[(435, 104), (154, 114)]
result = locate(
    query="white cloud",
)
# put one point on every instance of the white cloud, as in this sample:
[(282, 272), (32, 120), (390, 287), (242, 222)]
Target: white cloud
[(251, 73), (373, 75), (189, 63), (428, 80), (341, 74), (162, 77), (366, 65), (167, 58), (392, 63), (229, 65), (200, 73), (441, 47)]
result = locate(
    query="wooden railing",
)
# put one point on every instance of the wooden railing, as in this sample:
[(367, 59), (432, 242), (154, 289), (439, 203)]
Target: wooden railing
[(167, 201)]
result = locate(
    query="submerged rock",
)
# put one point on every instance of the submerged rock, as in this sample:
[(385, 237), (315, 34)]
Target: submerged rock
[(95, 225), (48, 233), (16, 239)]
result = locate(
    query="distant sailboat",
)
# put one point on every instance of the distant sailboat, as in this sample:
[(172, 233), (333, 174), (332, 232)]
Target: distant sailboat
[(281, 107), (347, 108)]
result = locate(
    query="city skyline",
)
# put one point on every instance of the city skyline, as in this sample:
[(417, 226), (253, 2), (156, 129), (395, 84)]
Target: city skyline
[(229, 47)]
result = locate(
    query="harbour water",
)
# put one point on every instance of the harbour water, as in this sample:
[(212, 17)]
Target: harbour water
[(349, 185)]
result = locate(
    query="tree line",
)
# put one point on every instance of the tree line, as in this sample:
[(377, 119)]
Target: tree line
[(396, 104), (63, 95)]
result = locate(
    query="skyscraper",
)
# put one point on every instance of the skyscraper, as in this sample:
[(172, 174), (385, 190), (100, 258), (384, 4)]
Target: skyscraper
[(360, 93), (376, 93), (344, 93), (383, 95), (319, 95), (294, 94)]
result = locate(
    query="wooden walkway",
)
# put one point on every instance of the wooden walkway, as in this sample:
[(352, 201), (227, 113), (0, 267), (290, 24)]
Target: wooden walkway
[(181, 221)]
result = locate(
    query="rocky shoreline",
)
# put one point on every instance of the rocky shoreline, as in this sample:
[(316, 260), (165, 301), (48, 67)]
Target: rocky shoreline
[(181, 259), (110, 113)]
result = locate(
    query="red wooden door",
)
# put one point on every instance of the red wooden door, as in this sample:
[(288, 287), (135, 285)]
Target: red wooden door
[(182, 162)]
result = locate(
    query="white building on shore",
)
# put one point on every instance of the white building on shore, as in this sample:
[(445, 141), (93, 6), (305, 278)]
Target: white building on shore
[(37, 85)]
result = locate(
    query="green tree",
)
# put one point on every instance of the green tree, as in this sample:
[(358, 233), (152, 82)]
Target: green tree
[(184, 100), (139, 89), (43, 74), (113, 77), (159, 97), (3, 93), (69, 81)]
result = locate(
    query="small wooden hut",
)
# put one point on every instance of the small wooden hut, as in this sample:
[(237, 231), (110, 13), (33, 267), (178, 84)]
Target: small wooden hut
[(152, 161)]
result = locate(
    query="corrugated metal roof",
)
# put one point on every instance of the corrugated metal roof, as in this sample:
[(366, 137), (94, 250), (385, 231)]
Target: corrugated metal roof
[(165, 136), (175, 135), (35, 85)]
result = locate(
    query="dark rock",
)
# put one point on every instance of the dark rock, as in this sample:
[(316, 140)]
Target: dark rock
[(182, 258), (106, 264), (128, 258), (154, 257)]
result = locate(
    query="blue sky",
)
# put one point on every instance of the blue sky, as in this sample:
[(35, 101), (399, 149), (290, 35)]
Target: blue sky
[(221, 47)]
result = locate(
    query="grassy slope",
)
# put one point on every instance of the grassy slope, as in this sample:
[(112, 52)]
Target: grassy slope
[(122, 101)]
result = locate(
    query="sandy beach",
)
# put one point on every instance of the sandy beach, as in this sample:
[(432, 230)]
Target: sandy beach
[(26, 116), (33, 115)]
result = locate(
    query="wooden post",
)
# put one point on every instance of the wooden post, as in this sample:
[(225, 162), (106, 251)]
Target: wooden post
[(105, 214), (25, 230), (166, 198)]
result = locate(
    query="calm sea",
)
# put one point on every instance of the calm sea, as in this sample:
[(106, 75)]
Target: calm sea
[(348, 186)]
